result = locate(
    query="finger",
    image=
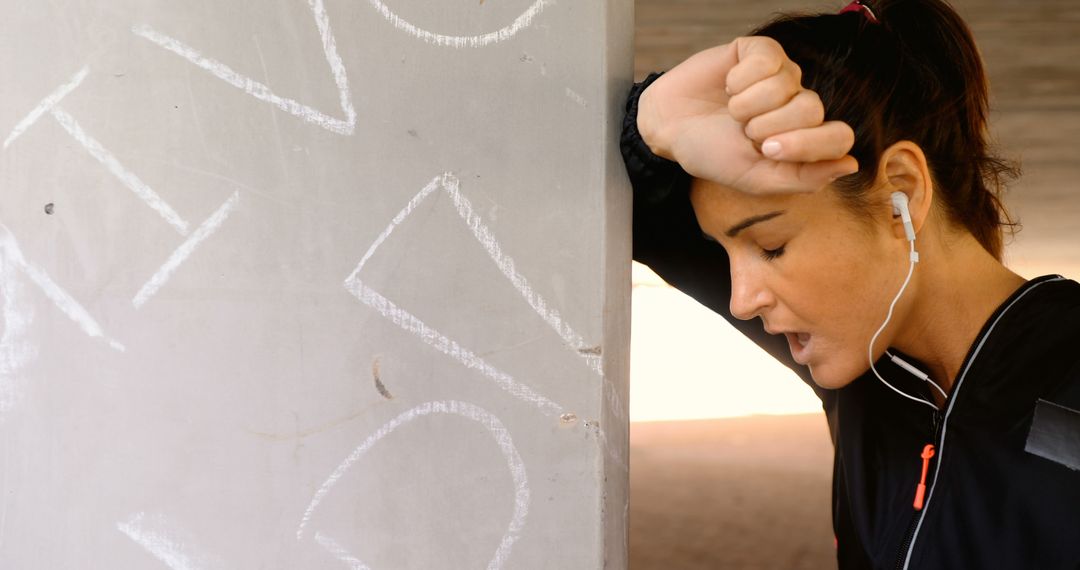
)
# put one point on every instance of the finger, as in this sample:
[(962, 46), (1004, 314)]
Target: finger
[(816, 175), (758, 58), (830, 140), (766, 95), (803, 111), (791, 177)]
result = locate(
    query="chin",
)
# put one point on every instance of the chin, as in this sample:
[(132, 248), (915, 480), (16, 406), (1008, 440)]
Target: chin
[(833, 376)]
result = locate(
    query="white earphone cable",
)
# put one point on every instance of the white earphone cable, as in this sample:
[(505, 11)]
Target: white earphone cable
[(870, 349)]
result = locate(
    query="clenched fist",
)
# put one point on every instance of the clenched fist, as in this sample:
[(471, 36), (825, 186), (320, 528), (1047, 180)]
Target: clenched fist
[(737, 114)]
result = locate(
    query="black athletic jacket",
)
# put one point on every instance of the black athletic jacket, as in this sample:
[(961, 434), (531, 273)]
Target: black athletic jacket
[(1003, 488)]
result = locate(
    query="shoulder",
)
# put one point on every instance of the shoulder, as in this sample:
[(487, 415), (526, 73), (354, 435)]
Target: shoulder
[(1035, 335), (1047, 330), (1050, 302)]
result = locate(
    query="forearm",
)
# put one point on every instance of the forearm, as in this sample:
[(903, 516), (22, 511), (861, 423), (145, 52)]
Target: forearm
[(668, 239)]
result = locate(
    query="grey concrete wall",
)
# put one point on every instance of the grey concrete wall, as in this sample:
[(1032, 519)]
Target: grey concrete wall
[(313, 284)]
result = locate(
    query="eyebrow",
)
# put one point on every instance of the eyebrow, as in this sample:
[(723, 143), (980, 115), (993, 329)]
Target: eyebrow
[(751, 221)]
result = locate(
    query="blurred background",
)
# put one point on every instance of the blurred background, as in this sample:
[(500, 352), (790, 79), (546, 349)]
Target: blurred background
[(730, 455)]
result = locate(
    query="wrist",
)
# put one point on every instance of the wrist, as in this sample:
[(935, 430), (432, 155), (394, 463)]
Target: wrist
[(649, 125)]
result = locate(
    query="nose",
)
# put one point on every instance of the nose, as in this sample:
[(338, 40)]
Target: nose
[(749, 294)]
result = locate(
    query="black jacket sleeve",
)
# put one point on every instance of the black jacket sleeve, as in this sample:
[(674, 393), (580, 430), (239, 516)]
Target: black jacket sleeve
[(669, 240)]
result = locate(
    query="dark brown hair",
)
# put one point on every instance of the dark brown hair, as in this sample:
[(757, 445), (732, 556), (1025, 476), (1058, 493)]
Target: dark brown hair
[(914, 75)]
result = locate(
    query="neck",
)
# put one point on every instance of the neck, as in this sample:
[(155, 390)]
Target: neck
[(956, 287)]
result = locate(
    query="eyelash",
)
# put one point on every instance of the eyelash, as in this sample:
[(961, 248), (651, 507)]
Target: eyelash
[(771, 254)]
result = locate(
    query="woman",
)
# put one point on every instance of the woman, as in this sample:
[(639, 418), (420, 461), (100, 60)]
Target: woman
[(774, 177)]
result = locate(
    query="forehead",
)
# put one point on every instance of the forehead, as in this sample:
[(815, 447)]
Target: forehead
[(719, 207)]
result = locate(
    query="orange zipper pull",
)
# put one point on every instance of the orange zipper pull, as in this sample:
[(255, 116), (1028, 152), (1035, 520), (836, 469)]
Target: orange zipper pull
[(920, 491)]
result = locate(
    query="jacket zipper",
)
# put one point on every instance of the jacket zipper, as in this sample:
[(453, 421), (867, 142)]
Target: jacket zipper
[(920, 489)]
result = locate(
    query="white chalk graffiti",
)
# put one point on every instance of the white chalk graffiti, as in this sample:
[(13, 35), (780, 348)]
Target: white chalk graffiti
[(481, 40), (46, 105), (51, 105), (442, 343), (577, 97), (339, 552), (463, 409), (449, 183), (172, 546), (122, 174), (388, 309), (432, 337), (162, 275), (262, 92), (15, 350), (13, 258)]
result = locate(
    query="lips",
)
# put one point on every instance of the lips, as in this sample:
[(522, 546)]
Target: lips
[(800, 344)]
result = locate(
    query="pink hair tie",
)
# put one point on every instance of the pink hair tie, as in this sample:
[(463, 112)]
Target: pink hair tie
[(858, 6)]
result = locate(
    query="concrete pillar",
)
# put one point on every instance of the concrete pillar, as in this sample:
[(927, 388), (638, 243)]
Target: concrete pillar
[(313, 284)]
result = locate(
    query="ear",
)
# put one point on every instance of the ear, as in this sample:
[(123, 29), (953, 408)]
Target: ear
[(903, 168)]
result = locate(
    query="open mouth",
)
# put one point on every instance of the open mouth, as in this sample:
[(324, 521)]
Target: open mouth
[(800, 345)]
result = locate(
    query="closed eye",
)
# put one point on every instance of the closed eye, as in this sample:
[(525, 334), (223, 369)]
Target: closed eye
[(771, 254)]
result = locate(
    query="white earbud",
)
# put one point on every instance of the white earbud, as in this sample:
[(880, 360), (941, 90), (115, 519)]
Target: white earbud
[(900, 208)]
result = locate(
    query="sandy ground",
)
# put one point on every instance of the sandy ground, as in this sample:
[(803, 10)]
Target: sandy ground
[(747, 493)]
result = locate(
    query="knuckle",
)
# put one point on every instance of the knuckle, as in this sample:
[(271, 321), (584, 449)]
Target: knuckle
[(769, 43), (738, 108), (811, 106), (781, 92), (795, 71), (847, 134), (768, 50), (837, 139), (755, 130), (784, 92), (732, 81), (761, 63)]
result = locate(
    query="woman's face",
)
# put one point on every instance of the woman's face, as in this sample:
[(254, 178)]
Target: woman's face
[(810, 270)]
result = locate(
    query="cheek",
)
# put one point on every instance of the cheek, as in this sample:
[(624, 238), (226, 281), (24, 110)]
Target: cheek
[(833, 291), (839, 298), (850, 269)]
